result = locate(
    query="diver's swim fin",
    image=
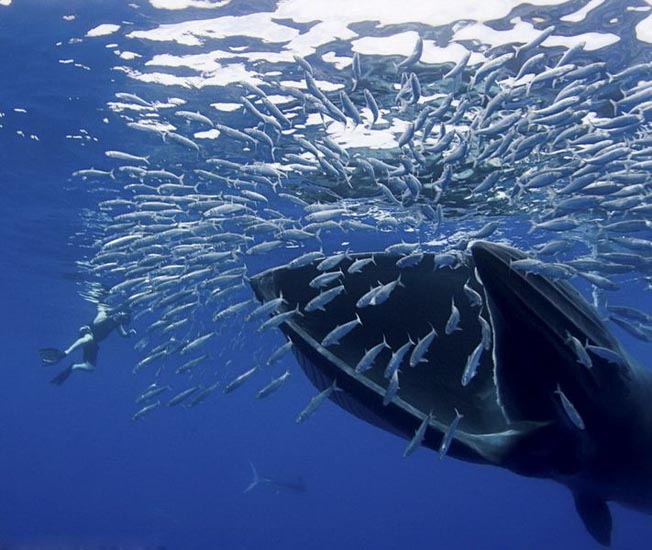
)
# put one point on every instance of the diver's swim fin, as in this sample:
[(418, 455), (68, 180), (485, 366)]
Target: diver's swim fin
[(62, 376), (50, 356)]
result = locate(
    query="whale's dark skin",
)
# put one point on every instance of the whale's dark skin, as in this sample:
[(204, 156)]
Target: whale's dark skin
[(513, 418)]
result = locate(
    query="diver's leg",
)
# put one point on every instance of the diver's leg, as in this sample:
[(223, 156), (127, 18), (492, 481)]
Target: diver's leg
[(50, 356), (64, 374), (86, 366), (80, 342)]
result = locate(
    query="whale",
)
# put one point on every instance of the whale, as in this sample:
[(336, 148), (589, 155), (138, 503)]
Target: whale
[(547, 393)]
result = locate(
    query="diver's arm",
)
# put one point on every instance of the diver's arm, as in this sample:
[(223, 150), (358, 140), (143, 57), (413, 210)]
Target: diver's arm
[(80, 342), (124, 332)]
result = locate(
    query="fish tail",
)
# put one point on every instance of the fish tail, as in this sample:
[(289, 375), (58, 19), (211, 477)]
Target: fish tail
[(614, 104), (255, 480)]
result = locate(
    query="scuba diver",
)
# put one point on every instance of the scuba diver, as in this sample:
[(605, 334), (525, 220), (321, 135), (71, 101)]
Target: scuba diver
[(89, 337)]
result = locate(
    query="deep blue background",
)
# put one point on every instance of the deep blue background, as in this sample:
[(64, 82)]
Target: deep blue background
[(74, 468)]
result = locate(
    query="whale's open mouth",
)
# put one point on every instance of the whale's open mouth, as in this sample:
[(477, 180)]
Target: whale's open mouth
[(434, 373), (482, 359)]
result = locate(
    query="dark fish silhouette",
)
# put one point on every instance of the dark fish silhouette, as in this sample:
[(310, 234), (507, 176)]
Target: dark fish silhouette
[(275, 485), (531, 406)]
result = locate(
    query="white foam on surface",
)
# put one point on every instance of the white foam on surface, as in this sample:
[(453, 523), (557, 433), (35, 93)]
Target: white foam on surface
[(581, 14), (128, 56), (194, 33), (103, 30), (403, 44), (523, 32), (213, 133), (333, 19), (280, 99), (330, 20), (592, 40), (313, 119), (644, 30), (203, 63), (185, 4), (392, 13), (361, 136), (338, 62), (221, 75), (119, 106), (227, 107)]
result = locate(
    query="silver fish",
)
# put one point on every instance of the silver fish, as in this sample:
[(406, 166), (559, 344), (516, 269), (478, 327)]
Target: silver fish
[(145, 411), (450, 434), (418, 437), (273, 385), (487, 333), (279, 319), (182, 396), (151, 392), (454, 320), (580, 351), (316, 401), (239, 380), (324, 298), (396, 359), (392, 389), (367, 360), (196, 343), (475, 300), (472, 363), (420, 350), (570, 410), (340, 331), (279, 352), (192, 363)]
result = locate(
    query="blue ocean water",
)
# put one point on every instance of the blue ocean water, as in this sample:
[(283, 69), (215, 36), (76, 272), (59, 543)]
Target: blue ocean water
[(77, 472)]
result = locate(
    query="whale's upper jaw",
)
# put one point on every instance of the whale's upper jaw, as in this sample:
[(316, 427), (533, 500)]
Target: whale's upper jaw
[(532, 318)]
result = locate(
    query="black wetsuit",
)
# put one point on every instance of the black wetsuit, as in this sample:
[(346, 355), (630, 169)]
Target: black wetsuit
[(100, 331)]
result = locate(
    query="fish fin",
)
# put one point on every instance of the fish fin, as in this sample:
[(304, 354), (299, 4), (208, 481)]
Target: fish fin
[(50, 356), (596, 516), (255, 481)]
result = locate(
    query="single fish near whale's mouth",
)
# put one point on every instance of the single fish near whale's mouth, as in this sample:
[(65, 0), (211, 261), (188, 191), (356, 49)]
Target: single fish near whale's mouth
[(478, 360)]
